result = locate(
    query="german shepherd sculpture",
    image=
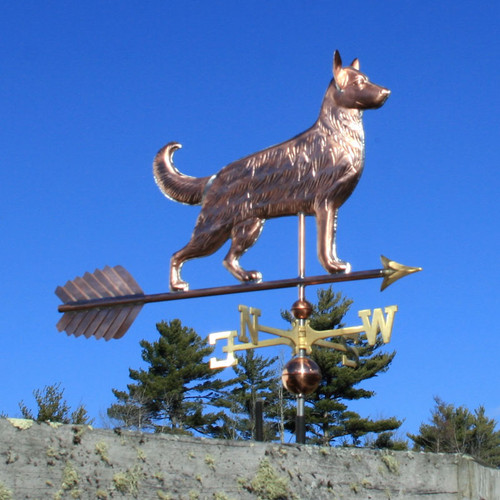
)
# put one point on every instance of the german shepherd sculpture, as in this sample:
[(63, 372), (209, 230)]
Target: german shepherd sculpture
[(313, 173)]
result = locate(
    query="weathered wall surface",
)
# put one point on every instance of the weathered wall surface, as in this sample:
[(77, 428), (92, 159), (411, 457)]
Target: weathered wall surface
[(47, 462)]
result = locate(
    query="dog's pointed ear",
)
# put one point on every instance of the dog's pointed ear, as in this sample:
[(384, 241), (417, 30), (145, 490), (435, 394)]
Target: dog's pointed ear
[(355, 64), (337, 62), (338, 71)]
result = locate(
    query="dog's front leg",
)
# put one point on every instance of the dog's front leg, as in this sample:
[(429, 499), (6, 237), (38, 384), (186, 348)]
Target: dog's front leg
[(326, 222)]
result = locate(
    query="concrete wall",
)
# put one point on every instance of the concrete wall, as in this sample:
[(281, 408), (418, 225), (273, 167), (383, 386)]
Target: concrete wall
[(41, 461)]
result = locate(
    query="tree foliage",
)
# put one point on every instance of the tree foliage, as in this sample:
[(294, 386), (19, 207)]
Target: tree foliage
[(328, 419), (52, 407), (386, 440), (172, 393), (458, 430), (256, 379)]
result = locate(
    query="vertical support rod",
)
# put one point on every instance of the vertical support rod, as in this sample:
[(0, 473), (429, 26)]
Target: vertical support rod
[(302, 253), (300, 422), (300, 419), (300, 427), (259, 420)]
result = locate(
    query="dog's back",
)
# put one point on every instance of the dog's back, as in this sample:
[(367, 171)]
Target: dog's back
[(290, 177)]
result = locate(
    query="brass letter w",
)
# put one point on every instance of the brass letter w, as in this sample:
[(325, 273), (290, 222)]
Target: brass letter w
[(378, 323)]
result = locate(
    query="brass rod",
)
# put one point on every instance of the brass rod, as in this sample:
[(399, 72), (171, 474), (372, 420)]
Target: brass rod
[(222, 290)]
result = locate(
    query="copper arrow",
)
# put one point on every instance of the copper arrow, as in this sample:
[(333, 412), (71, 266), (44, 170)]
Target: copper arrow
[(105, 303)]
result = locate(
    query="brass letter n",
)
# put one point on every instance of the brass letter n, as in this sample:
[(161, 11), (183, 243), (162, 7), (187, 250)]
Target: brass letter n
[(251, 324)]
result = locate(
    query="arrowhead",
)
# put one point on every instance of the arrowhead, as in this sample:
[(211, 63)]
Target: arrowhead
[(394, 271)]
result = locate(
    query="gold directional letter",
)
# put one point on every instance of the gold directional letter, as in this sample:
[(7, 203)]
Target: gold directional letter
[(378, 323), (252, 325), (230, 359)]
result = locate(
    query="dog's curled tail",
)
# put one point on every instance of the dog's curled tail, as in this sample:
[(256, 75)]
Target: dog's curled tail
[(172, 183)]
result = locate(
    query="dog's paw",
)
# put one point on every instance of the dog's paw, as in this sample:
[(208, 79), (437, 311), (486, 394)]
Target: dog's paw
[(339, 266), (179, 286), (252, 277)]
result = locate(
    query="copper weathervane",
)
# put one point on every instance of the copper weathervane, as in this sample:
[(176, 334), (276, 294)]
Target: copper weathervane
[(311, 174)]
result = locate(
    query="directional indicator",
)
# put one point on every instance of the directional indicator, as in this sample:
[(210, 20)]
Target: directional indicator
[(302, 337), (105, 303)]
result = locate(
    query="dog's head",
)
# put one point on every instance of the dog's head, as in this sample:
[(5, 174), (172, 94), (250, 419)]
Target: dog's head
[(353, 89)]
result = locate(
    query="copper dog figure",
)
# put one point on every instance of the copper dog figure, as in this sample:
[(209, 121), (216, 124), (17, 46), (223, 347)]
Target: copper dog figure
[(313, 173)]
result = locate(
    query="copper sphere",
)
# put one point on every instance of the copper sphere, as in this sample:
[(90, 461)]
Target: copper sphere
[(301, 375), (301, 309)]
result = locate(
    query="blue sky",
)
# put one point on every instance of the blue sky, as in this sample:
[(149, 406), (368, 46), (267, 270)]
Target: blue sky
[(91, 91)]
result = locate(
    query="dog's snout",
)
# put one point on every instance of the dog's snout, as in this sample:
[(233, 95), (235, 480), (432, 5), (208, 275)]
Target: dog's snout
[(384, 95)]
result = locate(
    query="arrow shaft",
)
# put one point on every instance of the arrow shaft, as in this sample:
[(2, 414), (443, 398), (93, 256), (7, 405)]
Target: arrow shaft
[(222, 290)]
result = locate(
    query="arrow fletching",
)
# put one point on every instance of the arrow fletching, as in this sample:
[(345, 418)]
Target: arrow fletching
[(100, 321)]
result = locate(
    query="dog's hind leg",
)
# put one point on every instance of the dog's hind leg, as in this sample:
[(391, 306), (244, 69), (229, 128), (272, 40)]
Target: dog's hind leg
[(200, 245), (243, 236)]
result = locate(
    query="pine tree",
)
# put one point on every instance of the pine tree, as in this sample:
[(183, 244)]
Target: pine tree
[(52, 407), (457, 430), (386, 440), (256, 378), (174, 391), (328, 419)]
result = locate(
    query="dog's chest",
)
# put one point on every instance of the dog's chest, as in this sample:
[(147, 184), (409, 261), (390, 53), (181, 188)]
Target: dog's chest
[(346, 137)]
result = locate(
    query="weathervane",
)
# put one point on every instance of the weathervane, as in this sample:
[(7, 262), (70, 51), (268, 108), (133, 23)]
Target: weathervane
[(311, 174)]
